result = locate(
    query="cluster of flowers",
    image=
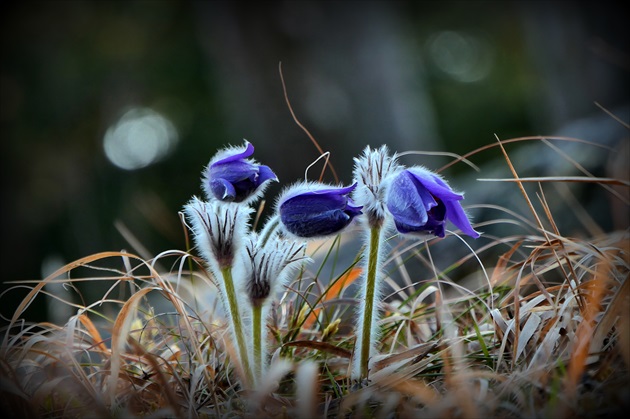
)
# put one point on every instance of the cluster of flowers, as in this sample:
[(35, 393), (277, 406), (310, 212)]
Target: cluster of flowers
[(251, 267)]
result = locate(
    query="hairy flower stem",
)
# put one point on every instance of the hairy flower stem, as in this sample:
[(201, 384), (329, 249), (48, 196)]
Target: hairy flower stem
[(257, 332), (369, 296), (236, 320)]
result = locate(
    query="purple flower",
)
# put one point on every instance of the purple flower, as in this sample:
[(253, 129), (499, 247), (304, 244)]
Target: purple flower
[(315, 210), (232, 177), (420, 202)]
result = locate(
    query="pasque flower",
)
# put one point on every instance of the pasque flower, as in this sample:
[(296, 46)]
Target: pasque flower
[(418, 202), (231, 176), (268, 266), (372, 172), (421, 202), (313, 209), (250, 267), (218, 230)]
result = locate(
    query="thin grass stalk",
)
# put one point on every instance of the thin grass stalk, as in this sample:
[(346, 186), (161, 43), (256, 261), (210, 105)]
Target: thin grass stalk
[(237, 324)]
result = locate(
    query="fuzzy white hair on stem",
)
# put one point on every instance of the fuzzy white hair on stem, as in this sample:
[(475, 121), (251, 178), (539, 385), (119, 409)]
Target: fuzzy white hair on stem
[(370, 294)]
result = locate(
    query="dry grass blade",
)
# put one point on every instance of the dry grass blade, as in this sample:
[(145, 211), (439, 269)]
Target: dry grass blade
[(308, 134), (615, 314), (331, 293), (120, 335), (522, 139), (412, 355), (165, 386), (93, 331), (547, 179), (320, 346), (597, 289), (40, 284)]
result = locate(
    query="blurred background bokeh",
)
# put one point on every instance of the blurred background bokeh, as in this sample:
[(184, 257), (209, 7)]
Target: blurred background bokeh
[(111, 109)]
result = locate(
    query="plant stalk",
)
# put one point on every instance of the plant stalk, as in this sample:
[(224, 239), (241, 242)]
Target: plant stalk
[(369, 297), (236, 321), (257, 331)]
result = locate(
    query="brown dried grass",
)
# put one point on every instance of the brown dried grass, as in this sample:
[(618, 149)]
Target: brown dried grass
[(543, 331)]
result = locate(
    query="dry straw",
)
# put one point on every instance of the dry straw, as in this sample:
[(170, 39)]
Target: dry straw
[(530, 324)]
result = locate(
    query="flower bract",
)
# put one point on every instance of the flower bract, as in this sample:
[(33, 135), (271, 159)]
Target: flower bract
[(217, 229), (371, 172), (270, 265)]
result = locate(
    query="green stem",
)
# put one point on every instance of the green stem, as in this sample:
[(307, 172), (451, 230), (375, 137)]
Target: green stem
[(257, 330), (236, 320), (370, 286)]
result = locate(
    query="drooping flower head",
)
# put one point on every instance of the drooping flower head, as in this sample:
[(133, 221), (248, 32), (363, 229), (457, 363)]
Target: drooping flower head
[(312, 209), (271, 265), (231, 176), (372, 171), (420, 202), (218, 229)]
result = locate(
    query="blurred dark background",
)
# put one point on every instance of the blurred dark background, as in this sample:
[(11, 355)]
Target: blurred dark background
[(111, 109)]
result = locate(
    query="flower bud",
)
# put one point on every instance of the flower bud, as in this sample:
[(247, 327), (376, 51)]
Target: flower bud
[(312, 209)]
